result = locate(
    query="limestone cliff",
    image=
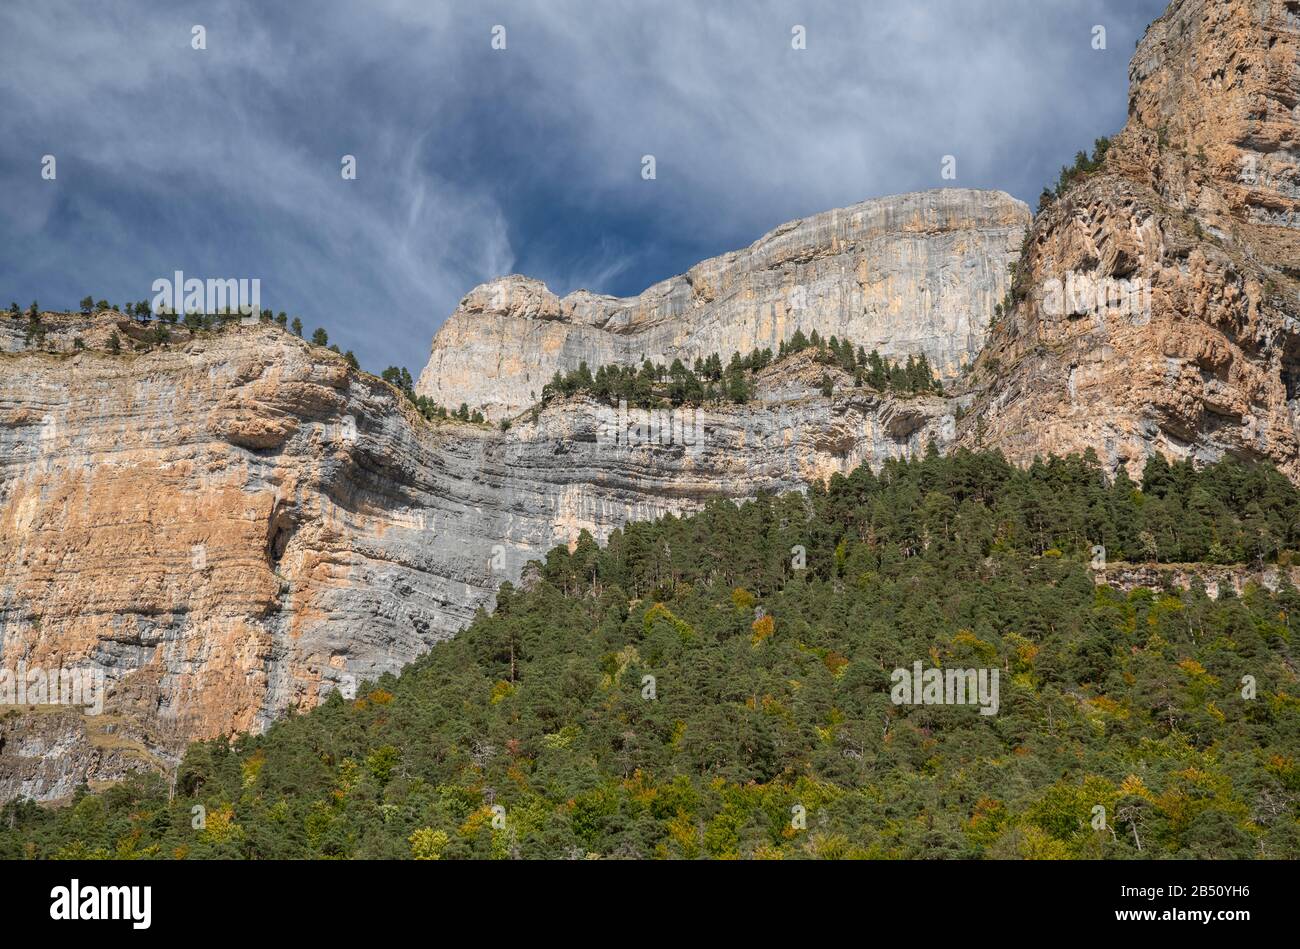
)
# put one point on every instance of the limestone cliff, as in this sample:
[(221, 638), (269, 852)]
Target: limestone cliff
[(1157, 299), (232, 525), (916, 273)]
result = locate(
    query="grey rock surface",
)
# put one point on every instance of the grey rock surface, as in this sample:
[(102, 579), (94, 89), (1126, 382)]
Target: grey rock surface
[(910, 274), (232, 526)]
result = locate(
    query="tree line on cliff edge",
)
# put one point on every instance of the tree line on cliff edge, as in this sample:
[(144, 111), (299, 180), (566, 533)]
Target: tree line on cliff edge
[(656, 385), (197, 322), (718, 685), (707, 381)]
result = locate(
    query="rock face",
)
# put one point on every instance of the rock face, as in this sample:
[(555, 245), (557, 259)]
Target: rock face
[(1215, 580), (1159, 295), (47, 752), (917, 273), (231, 526)]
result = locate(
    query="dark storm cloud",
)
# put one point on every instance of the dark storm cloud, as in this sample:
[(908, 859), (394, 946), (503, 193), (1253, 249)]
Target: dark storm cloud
[(474, 162)]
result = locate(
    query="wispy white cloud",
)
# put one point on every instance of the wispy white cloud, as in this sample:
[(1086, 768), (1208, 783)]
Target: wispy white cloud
[(474, 162)]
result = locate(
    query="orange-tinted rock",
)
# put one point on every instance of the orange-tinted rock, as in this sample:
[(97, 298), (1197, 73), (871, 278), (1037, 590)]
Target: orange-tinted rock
[(1196, 217)]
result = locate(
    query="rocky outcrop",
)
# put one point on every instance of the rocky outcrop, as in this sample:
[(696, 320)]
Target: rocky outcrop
[(1157, 299), (1217, 82), (232, 525), (1215, 580), (47, 752), (917, 273)]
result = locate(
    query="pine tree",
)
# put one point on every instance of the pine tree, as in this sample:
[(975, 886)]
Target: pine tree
[(924, 375), (877, 373), (737, 387)]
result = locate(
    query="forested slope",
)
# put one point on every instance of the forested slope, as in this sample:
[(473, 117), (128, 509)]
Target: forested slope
[(691, 691)]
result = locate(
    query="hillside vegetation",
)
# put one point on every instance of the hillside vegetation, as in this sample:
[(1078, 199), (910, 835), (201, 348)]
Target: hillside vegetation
[(719, 686)]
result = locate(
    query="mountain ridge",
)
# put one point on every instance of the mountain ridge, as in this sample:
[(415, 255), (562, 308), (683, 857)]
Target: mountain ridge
[(342, 534), (906, 274)]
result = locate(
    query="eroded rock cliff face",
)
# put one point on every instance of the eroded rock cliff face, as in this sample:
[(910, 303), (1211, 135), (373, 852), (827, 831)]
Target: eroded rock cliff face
[(232, 525), (916, 273), (1157, 299)]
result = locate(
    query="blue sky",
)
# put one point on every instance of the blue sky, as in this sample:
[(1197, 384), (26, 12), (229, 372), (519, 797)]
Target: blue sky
[(474, 162)]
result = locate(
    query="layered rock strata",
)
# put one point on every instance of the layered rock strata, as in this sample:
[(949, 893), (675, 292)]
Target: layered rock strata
[(911, 274), (1157, 299), (231, 526)]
